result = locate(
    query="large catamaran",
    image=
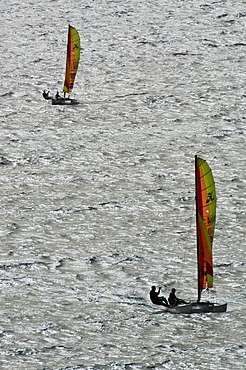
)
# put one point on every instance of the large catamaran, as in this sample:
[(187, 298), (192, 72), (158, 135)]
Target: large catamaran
[(205, 226)]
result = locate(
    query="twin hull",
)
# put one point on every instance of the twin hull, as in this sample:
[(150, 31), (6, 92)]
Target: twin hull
[(201, 307), (64, 101)]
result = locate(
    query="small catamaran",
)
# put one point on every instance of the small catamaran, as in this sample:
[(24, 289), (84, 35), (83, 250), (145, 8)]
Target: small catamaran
[(205, 225), (72, 63)]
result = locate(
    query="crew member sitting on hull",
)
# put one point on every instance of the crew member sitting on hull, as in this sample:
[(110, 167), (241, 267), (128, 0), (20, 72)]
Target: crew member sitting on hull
[(154, 297), (173, 300), (57, 95), (46, 95)]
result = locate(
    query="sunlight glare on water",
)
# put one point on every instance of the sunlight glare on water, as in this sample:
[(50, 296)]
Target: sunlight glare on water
[(97, 200)]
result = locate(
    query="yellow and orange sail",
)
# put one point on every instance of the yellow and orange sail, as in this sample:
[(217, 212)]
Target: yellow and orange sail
[(206, 217), (73, 56)]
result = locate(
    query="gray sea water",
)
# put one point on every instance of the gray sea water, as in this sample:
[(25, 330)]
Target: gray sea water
[(97, 200)]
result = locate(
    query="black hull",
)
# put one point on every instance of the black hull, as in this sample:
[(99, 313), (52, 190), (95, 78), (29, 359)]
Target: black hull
[(64, 101), (195, 307)]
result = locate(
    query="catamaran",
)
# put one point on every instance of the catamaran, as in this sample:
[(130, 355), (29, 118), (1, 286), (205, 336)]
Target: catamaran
[(205, 225), (72, 63)]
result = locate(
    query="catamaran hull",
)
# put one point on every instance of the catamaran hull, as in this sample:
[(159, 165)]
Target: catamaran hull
[(206, 307), (182, 309), (64, 102), (201, 307)]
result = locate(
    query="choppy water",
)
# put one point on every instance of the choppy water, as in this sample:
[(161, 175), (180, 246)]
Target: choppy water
[(97, 200)]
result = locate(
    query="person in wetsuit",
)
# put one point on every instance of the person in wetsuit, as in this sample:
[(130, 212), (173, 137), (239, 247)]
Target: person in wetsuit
[(46, 94), (57, 96), (174, 300), (154, 297)]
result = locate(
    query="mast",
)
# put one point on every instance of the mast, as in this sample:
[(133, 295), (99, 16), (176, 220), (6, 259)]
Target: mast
[(197, 235)]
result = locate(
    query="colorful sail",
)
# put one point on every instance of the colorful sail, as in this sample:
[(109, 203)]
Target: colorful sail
[(73, 56), (206, 217)]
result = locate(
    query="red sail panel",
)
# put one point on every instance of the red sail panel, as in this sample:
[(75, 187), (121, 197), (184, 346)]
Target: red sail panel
[(206, 208), (73, 56)]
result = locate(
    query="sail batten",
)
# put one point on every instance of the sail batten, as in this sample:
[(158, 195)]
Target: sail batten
[(73, 56), (206, 217)]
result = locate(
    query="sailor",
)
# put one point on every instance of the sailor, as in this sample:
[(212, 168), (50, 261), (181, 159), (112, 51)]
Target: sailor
[(46, 94), (57, 95), (173, 300), (154, 297)]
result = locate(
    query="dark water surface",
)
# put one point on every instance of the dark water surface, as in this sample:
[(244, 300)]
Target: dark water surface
[(97, 200)]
